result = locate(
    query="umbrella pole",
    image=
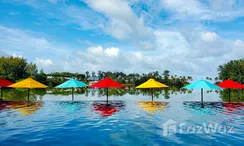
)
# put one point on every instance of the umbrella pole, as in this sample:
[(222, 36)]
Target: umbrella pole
[(202, 97), (107, 96), (28, 94), (152, 94), (72, 93), (229, 94), (1, 93)]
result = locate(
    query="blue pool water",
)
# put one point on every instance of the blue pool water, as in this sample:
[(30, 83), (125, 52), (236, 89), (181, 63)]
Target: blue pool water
[(128, 120)]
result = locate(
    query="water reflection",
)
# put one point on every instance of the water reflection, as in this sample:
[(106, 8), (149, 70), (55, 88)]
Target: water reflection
[(209, 107), (152, 106), (21, 94), (71, 106), (107, 109), (233, 112), (21, 107), (231, 108)]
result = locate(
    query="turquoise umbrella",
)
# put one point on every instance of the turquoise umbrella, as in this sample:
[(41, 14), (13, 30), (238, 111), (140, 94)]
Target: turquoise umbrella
[(72, 83), (202, 84)]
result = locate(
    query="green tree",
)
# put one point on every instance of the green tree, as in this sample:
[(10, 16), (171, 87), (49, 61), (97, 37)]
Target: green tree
[(41, 77), (13, 68), (166, 76), (233, 69), (31, 69), (93, 74), (87, 74)]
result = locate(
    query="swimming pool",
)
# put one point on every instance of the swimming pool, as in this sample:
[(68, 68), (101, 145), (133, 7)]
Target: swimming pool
[(128, 120)]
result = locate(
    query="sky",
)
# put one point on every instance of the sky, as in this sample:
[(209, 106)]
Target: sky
[(189, 38)]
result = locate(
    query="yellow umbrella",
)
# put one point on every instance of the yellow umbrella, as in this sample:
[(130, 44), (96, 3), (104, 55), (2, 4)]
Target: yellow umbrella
[(29, 84), (151, 83)]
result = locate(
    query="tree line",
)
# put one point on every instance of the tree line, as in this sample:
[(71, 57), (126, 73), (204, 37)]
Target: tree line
[(17, 68)]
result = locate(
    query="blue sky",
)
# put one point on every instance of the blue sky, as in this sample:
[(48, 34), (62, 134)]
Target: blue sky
[(186, 37)]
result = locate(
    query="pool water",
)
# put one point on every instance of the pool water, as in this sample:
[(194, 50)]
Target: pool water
[(129, 121)]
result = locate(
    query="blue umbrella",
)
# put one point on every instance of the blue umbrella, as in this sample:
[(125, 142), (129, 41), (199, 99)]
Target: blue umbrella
[(72, 83), (202, 84)]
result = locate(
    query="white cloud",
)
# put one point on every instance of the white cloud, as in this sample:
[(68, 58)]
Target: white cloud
[(123, 23), (147, 45), (15, 55), (112, 51), (17, 41), (100, 51), (47, 65), (214, 10), (171, 42), (43, 62), (138, 55), (192, 50), (238, 49), (209, 36), (95, 50), (239, 43), (189, 7)]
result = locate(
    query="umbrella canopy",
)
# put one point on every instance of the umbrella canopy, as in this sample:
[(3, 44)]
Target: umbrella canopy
[(230, 84), (29, 84), (107, 83), (4, 83), (72, 83), (202, 84), (151, 83)]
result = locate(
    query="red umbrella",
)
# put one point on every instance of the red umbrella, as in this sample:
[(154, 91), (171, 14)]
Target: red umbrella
[(230, 84), (4, 83), (107, 83)]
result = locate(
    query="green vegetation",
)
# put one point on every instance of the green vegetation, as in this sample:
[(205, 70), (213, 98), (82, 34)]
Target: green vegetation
[(15, 69), (233, 70), (38, 94)]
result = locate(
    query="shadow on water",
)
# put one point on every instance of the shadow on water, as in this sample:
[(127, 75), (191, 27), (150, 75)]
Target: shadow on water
[(107, 109), (151, 106)]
